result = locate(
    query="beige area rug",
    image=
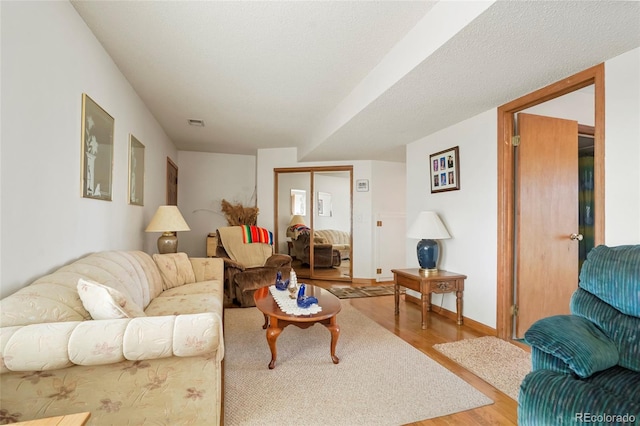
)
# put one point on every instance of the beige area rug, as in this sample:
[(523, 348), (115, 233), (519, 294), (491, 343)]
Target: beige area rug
[(380, 380), (494, 360)]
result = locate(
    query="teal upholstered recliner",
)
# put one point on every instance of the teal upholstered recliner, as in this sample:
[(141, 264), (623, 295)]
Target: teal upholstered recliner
[(586, 366)]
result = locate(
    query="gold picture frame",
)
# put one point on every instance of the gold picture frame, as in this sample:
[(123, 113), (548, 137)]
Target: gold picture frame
[(97, 151), (136, 171)]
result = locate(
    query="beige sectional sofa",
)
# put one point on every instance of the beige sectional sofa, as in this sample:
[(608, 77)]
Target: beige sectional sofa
[(339, 240), (130, 338)]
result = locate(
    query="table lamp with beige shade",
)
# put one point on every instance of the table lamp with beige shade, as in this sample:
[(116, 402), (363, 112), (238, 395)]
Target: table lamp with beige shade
[(428, 228), (295, 220), (167, 220)]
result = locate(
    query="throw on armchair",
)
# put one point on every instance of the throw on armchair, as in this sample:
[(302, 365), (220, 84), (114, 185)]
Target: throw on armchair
[(586, 366), (249, 262)]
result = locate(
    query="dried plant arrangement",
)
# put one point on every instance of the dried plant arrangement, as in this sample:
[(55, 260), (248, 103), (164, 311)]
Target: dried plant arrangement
[(237, 214)]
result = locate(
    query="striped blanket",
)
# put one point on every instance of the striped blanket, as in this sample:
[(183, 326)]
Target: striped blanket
[(255, 234)]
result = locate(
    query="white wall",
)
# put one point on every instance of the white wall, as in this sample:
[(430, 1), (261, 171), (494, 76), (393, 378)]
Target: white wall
[(470, 213), (204, 180), (578, 106), (622, 149), (49, 58)]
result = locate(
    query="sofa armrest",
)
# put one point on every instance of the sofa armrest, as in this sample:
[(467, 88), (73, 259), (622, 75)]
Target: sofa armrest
[(278, 261), (574, 340), (229, 263), (51, 346), (208, 268)]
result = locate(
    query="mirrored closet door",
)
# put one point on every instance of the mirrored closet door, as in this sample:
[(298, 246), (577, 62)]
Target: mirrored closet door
[(313, 210)]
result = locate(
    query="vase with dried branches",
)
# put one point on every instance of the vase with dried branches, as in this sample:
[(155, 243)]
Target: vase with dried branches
[(237, 214)]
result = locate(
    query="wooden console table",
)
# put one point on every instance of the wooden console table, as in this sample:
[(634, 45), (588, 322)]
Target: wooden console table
[(437, 282)]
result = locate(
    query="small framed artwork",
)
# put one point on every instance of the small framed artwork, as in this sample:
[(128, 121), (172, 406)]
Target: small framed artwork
[(362, 185), (445, 170), (97, 150), (136, 171), (298, 202), (324, 204)]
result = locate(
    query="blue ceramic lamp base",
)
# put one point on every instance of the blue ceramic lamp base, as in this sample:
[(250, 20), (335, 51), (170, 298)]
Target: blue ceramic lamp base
[(428, 254)]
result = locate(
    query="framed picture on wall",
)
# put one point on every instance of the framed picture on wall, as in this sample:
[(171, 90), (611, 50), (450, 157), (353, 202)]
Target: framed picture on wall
[(362, 185), (444, 169), (136, 171), (298, 202), (324, 204), (97, 150)]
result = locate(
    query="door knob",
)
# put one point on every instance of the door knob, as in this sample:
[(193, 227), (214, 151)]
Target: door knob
[(576, 237)]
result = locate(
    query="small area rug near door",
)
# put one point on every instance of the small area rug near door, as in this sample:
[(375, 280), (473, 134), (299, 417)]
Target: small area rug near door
[(380, 380), (494, 360), (356, 292)]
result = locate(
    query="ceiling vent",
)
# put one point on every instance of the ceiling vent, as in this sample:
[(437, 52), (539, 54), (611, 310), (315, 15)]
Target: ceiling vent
[(195, 122)]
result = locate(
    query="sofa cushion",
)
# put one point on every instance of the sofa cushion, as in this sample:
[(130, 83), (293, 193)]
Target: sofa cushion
[(611, 274), (587, 352), (202, 287), (621, 329), (103, 302), (175, 268), (185, 304)]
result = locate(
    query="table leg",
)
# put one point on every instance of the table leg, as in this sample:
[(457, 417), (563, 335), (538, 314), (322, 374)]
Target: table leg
[(426, 305), (334, 329), (396, 295), (272, 335), (459, 306), (266, 322)]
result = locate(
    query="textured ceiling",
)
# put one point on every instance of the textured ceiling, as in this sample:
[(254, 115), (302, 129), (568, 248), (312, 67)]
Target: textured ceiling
[(345, 80)]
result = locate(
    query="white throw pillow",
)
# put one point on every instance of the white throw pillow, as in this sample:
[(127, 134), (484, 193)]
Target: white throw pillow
[(104, 302)]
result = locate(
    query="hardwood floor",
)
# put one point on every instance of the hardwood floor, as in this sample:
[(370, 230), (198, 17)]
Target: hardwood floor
[(440, 330)]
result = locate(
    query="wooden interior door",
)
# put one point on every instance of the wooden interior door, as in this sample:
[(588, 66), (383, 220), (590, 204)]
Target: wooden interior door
[(546, 217), (172, 183)]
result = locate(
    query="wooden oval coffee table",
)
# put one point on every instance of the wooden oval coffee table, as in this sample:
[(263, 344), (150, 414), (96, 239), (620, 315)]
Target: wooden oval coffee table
[(275, 320)]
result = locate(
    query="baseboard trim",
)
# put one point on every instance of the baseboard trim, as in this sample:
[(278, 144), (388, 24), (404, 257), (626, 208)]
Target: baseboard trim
[(370, 281), (478, 326)]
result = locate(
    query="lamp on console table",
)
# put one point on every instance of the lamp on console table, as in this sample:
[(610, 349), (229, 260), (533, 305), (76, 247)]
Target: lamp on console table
[(167, 220), (295, 220), (428, 228)]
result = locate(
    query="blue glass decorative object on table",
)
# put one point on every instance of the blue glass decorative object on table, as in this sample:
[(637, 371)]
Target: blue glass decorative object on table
[(305, 301), (281, 285)]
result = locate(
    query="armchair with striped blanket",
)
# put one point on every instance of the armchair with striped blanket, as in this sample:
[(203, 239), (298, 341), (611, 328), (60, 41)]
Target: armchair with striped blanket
[(249, 262)]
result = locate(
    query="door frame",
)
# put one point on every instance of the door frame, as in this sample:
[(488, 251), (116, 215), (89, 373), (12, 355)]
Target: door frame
[(506, 188), (312, 170), (171, 165)]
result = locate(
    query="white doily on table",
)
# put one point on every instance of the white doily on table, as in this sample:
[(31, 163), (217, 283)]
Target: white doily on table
[(289, 305)]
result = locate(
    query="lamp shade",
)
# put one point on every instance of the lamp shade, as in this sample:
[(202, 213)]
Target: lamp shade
[(428, 226), (167, 219), (297, 220)]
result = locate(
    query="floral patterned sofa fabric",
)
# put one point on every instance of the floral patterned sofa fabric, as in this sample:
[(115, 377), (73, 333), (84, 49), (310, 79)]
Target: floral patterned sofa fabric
[(160, 368)]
